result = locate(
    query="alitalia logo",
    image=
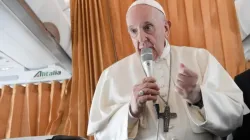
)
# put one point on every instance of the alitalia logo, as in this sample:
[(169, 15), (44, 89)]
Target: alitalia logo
[(47, 73)]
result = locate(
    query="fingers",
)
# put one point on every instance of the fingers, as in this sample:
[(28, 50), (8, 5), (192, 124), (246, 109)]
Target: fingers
[(186, 81), (150, 85), (148, 91), (147, 83), (148, 88), (185, 71), (149, 80), (181, 91), (186, 84), (143, 99), (181, 84), (184, 78)]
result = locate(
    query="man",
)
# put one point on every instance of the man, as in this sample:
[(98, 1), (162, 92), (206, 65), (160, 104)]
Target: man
[(243, 81), (197, 98)]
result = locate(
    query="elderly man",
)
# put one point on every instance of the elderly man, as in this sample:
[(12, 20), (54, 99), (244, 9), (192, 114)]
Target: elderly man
[(197, 99)]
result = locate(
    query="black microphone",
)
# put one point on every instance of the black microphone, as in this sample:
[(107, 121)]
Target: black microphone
[(147, 64)]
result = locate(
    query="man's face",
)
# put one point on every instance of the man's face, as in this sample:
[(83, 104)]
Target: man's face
[(147, 28)]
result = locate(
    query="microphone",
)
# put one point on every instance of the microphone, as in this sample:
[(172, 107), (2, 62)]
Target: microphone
[(147, 61), (147, 64)]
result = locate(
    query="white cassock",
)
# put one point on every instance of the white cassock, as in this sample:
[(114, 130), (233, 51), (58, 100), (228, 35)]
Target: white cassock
[(223, 101)]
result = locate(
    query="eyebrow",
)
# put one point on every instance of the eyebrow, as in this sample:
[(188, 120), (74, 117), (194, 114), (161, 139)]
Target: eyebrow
[(130, 26), (146, 22)]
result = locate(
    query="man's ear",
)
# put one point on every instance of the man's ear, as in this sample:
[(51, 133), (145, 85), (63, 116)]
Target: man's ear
[(167, 28), (167, 25)]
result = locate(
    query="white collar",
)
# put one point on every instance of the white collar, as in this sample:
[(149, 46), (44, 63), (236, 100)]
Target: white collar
[(165, 53)]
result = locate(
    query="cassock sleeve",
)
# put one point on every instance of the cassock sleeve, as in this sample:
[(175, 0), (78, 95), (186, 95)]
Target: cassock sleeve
[(223, 101), (109, 117)]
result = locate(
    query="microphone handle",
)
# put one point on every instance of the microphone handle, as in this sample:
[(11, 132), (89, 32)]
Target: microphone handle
[(148, 68), (157, 109)]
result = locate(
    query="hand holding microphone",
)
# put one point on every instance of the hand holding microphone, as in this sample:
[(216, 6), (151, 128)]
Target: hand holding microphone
[(148, 89)]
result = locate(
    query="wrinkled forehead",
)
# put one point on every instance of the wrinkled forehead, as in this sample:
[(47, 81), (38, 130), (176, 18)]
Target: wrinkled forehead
[(142, 13)]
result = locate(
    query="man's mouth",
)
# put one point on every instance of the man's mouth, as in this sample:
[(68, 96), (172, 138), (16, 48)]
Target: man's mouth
[(146, 47)]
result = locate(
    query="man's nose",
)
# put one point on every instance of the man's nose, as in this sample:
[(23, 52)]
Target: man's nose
[(142, 36)]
